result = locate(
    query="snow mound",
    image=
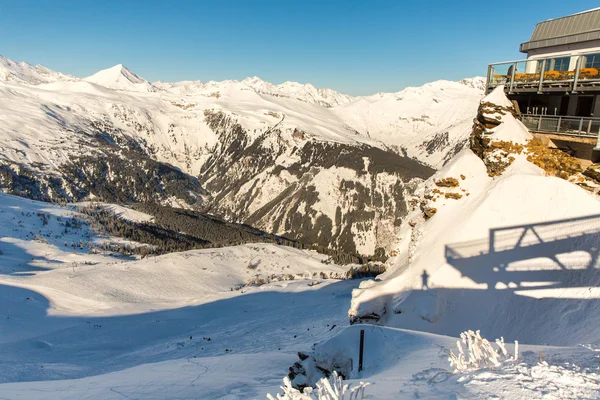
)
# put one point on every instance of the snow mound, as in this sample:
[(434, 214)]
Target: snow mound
[(120, 78), (511, 130), (497, 97)]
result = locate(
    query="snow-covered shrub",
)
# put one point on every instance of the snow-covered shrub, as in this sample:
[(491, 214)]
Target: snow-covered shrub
[(480, 352), (327, 389)]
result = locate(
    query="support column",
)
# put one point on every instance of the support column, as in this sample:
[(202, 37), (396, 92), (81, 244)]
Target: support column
[(576, 76)]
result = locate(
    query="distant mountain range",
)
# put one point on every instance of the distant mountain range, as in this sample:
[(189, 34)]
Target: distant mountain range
[(308, 163)]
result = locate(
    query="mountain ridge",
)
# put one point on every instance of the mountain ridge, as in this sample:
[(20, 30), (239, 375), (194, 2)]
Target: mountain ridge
[(288, 163)]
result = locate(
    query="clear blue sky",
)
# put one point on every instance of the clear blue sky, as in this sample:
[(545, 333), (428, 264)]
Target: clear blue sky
[(356, 47)]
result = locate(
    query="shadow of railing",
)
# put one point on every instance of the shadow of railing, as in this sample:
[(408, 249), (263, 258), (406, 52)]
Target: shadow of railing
[(571, 244)]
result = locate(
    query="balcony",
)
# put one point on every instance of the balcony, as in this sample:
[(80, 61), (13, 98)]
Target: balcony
[(565, 73), (583, 127)]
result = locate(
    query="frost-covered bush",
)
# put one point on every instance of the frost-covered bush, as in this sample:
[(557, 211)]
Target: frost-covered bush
[(480, 352), (327, 389)]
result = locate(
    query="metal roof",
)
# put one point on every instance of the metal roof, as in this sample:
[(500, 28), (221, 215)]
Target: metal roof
[(574, 28)]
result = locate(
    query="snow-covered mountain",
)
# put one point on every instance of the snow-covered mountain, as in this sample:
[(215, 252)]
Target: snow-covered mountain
[(21, 72), (119, 77), (290, 159), (430, 123)]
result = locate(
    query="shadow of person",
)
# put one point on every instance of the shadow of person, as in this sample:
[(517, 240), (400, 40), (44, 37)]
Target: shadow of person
[(425, 278)]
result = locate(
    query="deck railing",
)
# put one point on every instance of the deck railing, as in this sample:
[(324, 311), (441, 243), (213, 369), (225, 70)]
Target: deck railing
[(539, 75), (571, 126)]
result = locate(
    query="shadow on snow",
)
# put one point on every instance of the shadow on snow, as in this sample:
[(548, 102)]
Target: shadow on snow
[(539, 284), (37, 346)]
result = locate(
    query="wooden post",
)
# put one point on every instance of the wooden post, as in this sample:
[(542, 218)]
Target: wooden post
[(361, 350)]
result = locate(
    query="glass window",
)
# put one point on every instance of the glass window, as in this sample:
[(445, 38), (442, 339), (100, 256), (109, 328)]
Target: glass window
[(592, 61), (558, 64), (561, 64)]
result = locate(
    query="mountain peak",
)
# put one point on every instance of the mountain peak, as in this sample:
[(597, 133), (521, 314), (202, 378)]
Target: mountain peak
[(119, 77)]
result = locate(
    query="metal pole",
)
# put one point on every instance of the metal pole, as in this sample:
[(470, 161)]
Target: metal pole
[(589, 129), (361, 350), (539, 123), (542, 76), (581, 125), (558, 125), (489, 78)]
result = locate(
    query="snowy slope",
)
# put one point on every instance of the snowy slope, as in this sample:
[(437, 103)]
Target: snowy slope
[(430, 122), (171, 326), (515, 256), (71, 313)]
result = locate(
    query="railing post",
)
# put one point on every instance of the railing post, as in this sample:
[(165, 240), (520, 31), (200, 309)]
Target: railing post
[(539, 123), (581, 125), (489, 78), (589, 128), (542, 76), (512, 77), (361, 349), (576, 76), (558, 125)]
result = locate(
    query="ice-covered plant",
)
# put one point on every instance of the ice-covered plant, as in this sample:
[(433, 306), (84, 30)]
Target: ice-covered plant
[(326, 389), (479, 352)]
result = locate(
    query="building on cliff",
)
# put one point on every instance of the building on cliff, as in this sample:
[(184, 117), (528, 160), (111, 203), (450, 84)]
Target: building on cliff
[(556, 89)]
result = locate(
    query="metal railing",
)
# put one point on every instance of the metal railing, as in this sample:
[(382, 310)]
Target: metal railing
[(571, 126), (539, 75)]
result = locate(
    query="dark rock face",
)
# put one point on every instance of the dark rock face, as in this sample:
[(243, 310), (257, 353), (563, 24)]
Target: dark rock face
[(110, 173), (440, 141), (363, 186)]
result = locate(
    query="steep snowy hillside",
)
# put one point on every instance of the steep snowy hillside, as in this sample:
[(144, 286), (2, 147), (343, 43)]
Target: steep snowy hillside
[(431, 122), (496, 245), (289, 159)]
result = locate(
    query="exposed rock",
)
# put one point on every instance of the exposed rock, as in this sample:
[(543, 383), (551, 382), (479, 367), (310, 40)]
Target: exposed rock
[(447, 182), (554, 161), (429, 212), (451, 195), (593, 172)]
